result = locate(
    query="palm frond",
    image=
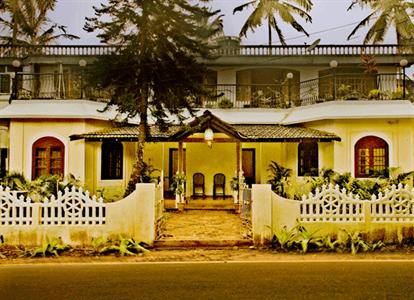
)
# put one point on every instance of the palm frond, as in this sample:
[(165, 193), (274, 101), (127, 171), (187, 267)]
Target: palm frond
[(364, 22)]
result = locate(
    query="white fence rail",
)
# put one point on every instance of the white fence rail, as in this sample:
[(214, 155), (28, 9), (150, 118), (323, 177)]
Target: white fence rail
[(73, 207), (14, 209), (331, 205), (334, 205), (395, 205)]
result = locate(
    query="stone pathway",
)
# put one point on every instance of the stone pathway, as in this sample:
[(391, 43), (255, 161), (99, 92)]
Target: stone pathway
[(203, 225)]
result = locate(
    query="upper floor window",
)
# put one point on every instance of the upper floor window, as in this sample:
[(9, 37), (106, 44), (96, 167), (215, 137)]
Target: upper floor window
[(371, 156), (308, 158), (48, 155), (112, 160)]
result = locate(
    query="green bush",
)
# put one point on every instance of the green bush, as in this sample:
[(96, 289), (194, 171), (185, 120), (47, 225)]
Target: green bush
[(225, 102)]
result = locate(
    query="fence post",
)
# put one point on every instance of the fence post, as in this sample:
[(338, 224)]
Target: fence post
[(262, 213), (37, 213), (366, 208)]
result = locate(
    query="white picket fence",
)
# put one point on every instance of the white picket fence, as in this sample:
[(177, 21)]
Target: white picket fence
[(73, 207), (14, 209), (334, 205), (395, 205), (331, 205)]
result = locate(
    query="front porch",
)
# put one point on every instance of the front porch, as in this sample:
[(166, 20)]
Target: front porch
[(207, 163)]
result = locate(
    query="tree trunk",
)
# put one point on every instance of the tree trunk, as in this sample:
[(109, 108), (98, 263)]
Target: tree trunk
[(136, 176)]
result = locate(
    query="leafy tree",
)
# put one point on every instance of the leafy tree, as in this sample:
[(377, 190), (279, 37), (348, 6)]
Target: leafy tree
[(156, 69), (386, 14), (28, 22), (267, 9)]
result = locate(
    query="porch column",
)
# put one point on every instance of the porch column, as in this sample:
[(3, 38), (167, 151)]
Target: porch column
[(181, 170), (239, 170), (180, 158)]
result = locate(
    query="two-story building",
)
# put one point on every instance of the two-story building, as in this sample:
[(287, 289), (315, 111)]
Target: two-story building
[(345, 107)]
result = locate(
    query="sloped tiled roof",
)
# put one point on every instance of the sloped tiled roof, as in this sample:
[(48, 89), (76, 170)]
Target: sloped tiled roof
[(127, 133), (247, 133), (280, 132)]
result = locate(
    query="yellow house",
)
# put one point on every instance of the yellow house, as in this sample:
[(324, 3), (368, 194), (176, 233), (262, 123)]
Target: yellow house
[(306, 110)]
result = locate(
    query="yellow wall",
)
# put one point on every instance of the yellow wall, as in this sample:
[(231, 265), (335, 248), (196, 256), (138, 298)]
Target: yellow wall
[(397, 133), (24, 132)]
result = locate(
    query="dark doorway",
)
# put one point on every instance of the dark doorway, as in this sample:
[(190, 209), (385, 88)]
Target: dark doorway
[(249, 166)]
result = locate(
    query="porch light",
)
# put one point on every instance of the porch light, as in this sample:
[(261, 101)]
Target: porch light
[(209, 136), (403, 63), (16, 63), (82, 63), (289, 75), (333, 64)]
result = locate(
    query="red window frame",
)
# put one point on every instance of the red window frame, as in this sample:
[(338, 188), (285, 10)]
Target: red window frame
[(371, 156), (48, 157)]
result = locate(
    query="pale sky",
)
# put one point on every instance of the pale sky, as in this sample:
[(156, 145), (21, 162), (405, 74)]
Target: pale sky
[(327, 16)]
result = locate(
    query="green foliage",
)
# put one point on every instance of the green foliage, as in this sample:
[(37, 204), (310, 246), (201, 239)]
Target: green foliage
[(225, 102), (147, 173), (43, 187), (158, 66), (278, 177), (363, 188), (398, 94), (355, 242), (27, 23), (284, 238), (235, 184), (306, 238), (382, 17), (347, 93), (329, 244), (50, 247), (374, 94), (177, 185), (15, 181), (268, 9), (122, 246)]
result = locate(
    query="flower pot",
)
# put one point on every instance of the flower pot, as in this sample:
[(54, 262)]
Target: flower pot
[(235, 197)]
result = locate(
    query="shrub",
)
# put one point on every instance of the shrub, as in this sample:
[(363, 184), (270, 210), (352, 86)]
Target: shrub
[(374, 94), (225, 102)]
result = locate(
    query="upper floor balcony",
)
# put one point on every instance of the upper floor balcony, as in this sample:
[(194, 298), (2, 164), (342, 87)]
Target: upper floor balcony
[(287, 93), (226, 48)]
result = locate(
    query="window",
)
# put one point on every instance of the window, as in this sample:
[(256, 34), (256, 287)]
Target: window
[(112, 160), (308, 158), (47, 157), (371, 156)]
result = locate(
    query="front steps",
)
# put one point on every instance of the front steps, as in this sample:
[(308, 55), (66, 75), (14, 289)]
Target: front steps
[(193, 244)]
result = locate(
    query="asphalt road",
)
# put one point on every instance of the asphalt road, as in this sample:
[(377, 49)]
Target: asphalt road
[(268, 280)]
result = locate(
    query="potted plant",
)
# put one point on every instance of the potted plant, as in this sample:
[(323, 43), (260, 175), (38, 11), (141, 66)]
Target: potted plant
[(177, 187), (234, 184)]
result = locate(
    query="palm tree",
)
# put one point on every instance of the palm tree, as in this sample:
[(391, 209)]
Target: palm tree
[(386, 14), (28, 22), (267, 9)]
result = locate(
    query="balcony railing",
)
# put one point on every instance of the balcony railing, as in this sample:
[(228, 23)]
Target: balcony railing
[(328, 88), (69, 85), (235, 50), (75, 85)]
